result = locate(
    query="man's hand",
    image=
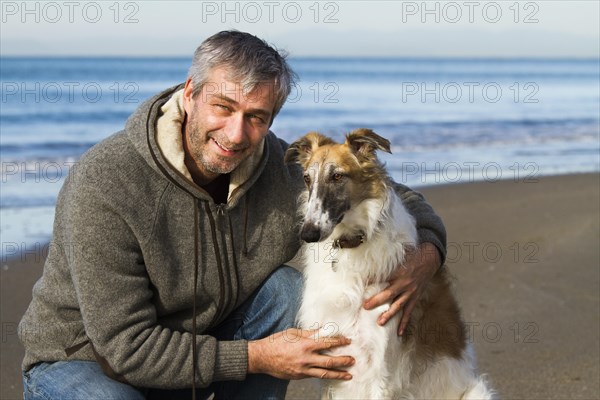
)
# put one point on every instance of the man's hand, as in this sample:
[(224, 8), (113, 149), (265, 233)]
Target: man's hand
[(407, 285), (296, 354)]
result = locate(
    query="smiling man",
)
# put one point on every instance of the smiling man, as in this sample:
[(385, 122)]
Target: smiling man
[(166, 274), (225, 124)]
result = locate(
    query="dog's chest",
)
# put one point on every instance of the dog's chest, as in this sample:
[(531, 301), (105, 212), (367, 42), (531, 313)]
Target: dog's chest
[(333, 300)]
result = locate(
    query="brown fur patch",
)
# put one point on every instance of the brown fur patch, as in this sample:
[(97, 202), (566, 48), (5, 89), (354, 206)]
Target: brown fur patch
[(436, 324), (302, 149)]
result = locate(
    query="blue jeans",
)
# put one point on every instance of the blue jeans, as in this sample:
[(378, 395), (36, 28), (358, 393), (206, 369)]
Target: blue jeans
[(272, 308)]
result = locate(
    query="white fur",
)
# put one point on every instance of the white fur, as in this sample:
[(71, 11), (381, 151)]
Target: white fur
[(313, 210), (337, 281)]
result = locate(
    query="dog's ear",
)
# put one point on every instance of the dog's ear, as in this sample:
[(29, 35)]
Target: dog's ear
[(302, 149), (364, 142)]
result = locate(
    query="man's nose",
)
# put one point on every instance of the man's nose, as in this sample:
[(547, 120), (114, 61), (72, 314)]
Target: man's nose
[(235, 129)]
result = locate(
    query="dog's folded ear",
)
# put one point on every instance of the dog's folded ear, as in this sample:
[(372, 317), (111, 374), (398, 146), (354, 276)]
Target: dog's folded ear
[(364, 142), (302, 149)]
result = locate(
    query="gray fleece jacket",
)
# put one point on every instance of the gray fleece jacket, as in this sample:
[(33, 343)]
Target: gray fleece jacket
[(132, 234)]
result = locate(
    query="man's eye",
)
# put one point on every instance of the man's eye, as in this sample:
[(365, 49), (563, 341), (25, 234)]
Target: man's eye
[(257, 119), (223, 107)]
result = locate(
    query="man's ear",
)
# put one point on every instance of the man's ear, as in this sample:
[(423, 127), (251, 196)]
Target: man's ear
[(302, 149), (364, 142), (188, 96)]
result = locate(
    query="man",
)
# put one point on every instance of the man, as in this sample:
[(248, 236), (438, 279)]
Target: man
[(166, 266)]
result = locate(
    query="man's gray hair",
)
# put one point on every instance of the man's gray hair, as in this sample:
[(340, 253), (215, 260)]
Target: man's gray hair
[(248, 60)]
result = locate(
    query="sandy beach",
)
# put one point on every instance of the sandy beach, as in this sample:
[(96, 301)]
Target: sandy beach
[(526, 257)]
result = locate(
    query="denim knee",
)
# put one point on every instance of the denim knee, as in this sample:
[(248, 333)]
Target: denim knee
[(284, 288), (74, 380), (273, 307), (285, 280)]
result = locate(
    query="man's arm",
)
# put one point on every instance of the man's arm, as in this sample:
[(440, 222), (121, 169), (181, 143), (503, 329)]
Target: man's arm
[(411, 278), (430, 227)]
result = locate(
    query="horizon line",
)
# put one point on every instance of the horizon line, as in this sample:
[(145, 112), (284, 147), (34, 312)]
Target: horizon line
[(374, 57)]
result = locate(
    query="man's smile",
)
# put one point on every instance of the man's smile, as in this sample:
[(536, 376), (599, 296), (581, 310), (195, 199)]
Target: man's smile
[(226, 150)]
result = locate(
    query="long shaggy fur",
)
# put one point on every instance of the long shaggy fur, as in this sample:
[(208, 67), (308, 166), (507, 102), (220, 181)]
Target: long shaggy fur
[(433, 359)]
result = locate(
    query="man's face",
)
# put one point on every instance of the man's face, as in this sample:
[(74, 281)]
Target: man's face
[(224, 125)]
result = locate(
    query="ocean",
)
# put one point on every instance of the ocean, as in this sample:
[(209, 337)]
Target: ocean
[(449, 120)]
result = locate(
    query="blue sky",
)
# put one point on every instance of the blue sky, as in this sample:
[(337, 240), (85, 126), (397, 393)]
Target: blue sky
[(547, 28)]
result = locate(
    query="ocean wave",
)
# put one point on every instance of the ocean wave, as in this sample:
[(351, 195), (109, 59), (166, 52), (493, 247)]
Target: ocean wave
[(44, 151), (18, 202), (45, 117), (448, 134)]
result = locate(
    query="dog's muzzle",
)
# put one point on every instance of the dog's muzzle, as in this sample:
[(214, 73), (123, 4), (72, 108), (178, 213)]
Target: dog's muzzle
[(310, 233)]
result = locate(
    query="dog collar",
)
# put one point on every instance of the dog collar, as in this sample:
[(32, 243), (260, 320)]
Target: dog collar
[(348, 242)]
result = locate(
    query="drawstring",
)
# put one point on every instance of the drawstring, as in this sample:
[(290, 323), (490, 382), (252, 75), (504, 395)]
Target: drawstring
[(194, 351), (235, 266), (245, 248)]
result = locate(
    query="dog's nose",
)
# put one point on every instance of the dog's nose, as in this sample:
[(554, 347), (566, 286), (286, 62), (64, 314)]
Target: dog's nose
[(310, 233)]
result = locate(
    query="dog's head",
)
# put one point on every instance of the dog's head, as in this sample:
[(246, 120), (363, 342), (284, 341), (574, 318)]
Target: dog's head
[(338, 177)]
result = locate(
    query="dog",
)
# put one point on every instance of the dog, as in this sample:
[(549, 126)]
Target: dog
[(351, 210)]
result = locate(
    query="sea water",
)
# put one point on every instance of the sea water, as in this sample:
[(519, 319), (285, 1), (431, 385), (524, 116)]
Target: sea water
[(449, 120)]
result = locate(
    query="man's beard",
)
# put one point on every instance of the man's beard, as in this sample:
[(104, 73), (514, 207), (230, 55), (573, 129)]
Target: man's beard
[(199, 142)]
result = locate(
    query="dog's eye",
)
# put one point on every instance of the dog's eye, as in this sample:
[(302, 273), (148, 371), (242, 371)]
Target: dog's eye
[(307, 179), (337, 177)]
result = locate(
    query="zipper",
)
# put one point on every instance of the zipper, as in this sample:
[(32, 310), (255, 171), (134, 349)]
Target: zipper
[(218, 259), (224, 224), (221, 216)]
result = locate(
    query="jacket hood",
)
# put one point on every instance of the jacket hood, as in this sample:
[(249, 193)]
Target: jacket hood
[(155, 131)]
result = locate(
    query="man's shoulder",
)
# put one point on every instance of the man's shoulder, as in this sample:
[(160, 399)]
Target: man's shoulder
[(116, 148), (277, 169), (112, 161), (277, 146)]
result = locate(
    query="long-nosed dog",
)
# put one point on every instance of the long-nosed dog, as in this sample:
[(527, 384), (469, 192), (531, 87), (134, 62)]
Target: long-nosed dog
[(350, 208)]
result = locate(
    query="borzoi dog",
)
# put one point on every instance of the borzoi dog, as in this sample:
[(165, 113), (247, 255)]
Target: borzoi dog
[(350, 208)]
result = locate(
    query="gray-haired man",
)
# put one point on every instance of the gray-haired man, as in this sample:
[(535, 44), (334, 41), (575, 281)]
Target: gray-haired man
[(166, 270)]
